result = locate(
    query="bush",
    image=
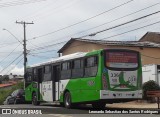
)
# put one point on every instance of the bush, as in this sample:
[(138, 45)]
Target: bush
[(149, 86)]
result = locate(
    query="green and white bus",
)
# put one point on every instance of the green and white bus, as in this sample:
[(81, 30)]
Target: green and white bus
[(97, 78)]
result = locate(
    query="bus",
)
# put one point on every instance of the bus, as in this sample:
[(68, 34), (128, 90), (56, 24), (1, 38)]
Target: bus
[(98, 77)]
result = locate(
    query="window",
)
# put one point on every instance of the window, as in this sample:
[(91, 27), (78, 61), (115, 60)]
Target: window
[(66, 66), (47, 69), (66, 70), (35, 77), (76, 64), (91, 61), (29, 70), (47, 73), (91, 66), (40, 74), (28, 75), (35, 71), (56, 73), (77, 68)]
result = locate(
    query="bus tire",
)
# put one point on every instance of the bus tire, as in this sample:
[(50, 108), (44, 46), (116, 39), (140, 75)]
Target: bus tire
[(35, 100), (67, 100), (99, 105)]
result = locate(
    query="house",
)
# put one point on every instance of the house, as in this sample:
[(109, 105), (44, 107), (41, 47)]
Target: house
[(18, 78), (149, 50), (151, 37)]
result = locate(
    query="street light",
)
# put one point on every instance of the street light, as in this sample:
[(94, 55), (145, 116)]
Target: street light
[(13, 35)]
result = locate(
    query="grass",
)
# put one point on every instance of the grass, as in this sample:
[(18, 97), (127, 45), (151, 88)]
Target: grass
[(5, 92)]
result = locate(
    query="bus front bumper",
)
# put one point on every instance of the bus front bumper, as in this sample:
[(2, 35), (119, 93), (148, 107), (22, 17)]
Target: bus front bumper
[(106, 94)]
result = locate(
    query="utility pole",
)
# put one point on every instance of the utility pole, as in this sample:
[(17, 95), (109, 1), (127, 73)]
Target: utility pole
[(24, 44)]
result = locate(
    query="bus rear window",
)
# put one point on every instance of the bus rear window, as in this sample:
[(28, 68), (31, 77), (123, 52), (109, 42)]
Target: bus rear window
[(121, 59)]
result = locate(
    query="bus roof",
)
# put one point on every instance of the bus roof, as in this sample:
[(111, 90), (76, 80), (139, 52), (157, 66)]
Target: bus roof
[(62, 58)]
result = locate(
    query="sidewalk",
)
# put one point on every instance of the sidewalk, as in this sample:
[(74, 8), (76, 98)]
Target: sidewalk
[(133, 104)]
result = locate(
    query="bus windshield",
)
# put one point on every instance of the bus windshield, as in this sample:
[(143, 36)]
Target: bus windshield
[(121, 59)]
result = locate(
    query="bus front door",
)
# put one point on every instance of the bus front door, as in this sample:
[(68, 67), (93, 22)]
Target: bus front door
[(56, 77), (39, 80)]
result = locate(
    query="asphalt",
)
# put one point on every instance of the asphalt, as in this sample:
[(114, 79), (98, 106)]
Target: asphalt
[(134, 104)]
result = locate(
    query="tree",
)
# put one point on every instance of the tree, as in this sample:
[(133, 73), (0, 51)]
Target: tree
[(5, 78)]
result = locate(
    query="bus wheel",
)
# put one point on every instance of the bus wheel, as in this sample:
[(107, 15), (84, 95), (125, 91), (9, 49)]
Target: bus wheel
[(35, 100), (67, 100), (99, 105)]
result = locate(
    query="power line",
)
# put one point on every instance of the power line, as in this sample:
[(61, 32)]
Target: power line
[(11, 63), (103, 30), (4, 46), (131, 30), (14, 66), (43, 57), (44, 47), (84, 20), (45, 15), (9, 53), (8, 43), (120, 18), (38, 10), (10, 4), (113, 20), (45, 51), (118, 34), (93, 34)]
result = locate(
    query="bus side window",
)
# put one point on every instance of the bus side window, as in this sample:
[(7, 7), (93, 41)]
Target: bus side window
[(35, 74), (77, 68), (91, 66), (56, 73), (47, 73), (28, 75), (65, 70)]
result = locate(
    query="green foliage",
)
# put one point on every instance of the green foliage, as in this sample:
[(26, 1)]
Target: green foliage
[(20, 85), (5, 78), (149, 86), (5, 92)]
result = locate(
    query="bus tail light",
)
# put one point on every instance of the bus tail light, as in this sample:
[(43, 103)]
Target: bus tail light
[(104, 82)]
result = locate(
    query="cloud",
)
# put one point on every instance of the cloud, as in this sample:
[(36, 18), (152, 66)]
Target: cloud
[(52, 15), (17, 71), (14, 69)]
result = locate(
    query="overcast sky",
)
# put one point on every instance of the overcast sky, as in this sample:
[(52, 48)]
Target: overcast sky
[(51, 17)]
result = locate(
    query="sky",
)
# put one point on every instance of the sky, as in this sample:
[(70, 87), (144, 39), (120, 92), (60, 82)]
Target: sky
[(57, 21)]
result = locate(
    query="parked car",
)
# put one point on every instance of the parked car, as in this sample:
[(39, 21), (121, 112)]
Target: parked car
[(16, 97)]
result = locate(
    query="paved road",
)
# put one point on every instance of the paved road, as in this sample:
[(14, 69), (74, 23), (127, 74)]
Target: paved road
[(57, 111)]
